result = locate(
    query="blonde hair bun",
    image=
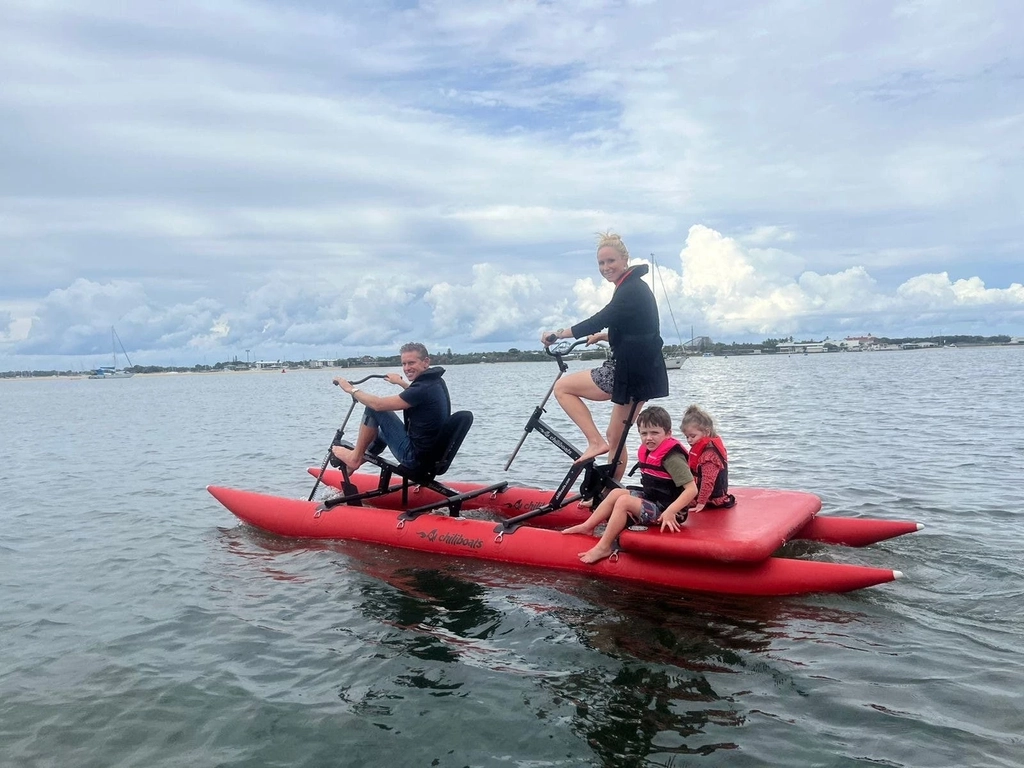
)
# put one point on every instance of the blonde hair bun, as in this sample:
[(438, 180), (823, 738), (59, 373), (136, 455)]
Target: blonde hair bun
[(612, 240)]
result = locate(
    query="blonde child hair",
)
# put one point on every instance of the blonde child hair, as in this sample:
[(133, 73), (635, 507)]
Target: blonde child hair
[(699, 418)]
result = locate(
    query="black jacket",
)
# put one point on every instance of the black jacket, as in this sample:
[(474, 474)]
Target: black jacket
[(634, 332)]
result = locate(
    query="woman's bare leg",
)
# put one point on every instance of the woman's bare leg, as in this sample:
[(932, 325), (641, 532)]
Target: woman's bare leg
[(569, 392), (620, 414)]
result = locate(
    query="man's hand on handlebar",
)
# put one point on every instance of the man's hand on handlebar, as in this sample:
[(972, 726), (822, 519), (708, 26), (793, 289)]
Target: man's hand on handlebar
[(341, 381)]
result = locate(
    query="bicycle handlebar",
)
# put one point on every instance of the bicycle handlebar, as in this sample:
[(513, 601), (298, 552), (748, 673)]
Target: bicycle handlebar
[(563, 351), (365, 378)]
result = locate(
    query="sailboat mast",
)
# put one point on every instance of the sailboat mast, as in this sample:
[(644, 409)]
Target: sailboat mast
[(125, 351), (664, 292)]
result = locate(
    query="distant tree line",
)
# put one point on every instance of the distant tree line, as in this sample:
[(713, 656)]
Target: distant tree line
[(947, 340)]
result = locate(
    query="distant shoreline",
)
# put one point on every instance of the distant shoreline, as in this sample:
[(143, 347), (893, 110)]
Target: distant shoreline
[(84, 375), (223, 372)]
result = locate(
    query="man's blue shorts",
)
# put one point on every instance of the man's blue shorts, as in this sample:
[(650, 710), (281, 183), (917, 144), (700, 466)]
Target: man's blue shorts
[(391, 431)]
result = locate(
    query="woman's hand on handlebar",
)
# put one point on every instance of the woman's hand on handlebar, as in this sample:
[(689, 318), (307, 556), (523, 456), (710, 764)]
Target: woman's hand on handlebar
[(547, 338), (564, 347), (595, 338)]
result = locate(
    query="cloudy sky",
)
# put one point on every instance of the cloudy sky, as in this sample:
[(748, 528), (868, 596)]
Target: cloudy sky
[(309, 178)]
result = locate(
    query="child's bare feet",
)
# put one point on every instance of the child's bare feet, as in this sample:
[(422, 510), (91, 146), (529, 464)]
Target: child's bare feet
[(581, 528), (595, 554)]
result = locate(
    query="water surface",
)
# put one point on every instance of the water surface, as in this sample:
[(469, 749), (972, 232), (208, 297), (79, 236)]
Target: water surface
[(143, 626)]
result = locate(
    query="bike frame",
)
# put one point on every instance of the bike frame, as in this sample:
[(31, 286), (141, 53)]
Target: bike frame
[(597, 478), (338, 436)]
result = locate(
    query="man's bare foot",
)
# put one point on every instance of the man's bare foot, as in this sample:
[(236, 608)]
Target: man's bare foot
[(347, 455), (595, 554), (586, 503), (581, 528), (592, 452)]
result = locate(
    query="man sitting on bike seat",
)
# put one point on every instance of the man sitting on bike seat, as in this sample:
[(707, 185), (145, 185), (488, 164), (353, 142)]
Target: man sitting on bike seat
[(426, 405)]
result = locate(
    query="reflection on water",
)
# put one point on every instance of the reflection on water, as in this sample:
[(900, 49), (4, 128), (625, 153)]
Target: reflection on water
[(634, 673), (432, 612)]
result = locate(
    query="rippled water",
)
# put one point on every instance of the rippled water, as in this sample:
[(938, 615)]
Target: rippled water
[(142, 626)]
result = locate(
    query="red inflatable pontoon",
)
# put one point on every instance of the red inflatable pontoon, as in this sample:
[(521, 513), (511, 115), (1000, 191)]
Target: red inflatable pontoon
[(547, 548), (760, 523)]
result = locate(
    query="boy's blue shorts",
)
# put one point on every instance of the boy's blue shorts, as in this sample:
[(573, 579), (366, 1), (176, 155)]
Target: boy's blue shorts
[(649, 511)]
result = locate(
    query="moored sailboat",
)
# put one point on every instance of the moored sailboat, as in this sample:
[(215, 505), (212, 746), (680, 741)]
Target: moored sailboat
[(672, 362), (112, 371)]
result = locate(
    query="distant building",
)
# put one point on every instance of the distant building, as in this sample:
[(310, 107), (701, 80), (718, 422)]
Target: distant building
[(800, 347), (698, 343), (860, 343)]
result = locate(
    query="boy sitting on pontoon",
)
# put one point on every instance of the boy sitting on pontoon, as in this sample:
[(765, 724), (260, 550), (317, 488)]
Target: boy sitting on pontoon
[(667, 486)]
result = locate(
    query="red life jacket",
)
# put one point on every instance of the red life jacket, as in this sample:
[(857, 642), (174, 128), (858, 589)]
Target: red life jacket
[(697, 450), (657, 483)]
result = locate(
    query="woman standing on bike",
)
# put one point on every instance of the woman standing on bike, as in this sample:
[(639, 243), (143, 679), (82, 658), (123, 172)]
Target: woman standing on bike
[(636, 372)]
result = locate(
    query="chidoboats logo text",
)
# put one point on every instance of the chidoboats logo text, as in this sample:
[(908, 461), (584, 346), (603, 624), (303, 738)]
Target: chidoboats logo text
[(452, 539)]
